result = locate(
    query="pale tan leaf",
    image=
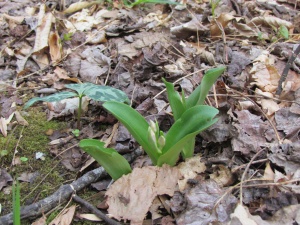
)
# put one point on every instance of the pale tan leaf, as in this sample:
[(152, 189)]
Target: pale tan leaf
[(242, 215), (43, 29), (78, 6), (3, 126), (40, 221), (270, 21), (268, 105), (222, 175), (65, 217), (131, 196), (20, 119), (223, 21), (55, 47), (189, 170), (268, 173), (88, 216), (264, 73), (61, 73)]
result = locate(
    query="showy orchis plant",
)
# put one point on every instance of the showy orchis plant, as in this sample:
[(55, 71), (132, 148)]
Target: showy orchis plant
[(179, 104), (191, 118), (93, 91)]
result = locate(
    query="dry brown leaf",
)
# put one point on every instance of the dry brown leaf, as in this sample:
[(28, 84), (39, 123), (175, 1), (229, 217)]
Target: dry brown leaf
[(43, 29), (268, 173), (268, 105), (40, 221), (264, 73), (78, 6), (189, 170), (223, 20), (21, 119), (88, 216), (242, 216), (131, 196), (270, 21), (3, 126), (61, 73), (55, 46), (65, 217), (222, 175)]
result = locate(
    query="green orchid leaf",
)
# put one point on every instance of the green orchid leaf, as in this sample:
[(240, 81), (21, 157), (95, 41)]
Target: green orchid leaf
[(172, 155), (199, 94), (188, 149), (191, 123), (114, 163), (51, 98), (135, 124), (177, 105), (16, 204), (98, 92)]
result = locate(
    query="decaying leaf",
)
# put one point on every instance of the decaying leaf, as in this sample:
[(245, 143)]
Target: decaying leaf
[(55, 46), (189, 170), (65, 217), (270, 21), (131, 196), (90, 217), (43, 29)]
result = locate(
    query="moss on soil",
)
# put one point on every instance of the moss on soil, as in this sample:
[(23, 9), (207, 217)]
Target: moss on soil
[(28, 141)]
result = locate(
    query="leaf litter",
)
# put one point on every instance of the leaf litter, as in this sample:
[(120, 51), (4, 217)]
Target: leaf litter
[(47, 46)]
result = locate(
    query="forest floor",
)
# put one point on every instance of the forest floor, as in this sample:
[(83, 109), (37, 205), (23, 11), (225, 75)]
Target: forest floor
[(246, 168)]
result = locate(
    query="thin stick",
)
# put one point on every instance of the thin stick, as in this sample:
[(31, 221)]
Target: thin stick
[(244, 174), (16, 148), (286, 69), (94, 210)]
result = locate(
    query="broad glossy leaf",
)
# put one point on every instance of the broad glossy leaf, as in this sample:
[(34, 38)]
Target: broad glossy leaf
[(51, 98), (172, 155), (191, 123), (79, 88), (114, 163), (199, 94), (135, 124), (98, 92), (177, 105)]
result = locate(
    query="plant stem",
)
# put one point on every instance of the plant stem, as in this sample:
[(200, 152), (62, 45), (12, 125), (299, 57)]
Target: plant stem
[(79, 112)]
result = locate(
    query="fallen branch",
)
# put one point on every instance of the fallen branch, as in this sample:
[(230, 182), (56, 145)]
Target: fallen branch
[(63, 194)]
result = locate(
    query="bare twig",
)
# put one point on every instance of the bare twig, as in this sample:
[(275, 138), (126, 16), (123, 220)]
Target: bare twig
[(286, 69), (94, 210), (244, 174)]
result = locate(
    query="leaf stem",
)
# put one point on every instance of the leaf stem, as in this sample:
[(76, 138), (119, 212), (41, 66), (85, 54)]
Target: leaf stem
[(79, 111)]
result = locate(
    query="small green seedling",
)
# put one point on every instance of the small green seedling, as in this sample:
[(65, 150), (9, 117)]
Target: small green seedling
[(283, 32), (67, 37), (93, 91), (16, 204), (76, 132), (191, 117), (24, 159), (214, 4)]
